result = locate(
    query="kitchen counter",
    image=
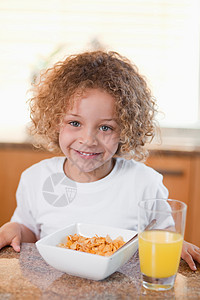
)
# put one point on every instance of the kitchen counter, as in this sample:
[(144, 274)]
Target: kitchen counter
[(25, 275), (167, 147)]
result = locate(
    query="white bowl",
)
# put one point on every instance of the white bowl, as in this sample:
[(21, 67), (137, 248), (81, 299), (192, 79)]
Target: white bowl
[(82, 264)]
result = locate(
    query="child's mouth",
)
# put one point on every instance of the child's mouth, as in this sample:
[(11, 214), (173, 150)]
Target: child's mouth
[(87, 154)]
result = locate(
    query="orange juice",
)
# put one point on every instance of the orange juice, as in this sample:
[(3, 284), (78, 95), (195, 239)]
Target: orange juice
[(159, 253)]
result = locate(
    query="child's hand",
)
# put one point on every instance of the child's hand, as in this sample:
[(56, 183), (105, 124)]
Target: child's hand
[(11, 234), (190, 253)]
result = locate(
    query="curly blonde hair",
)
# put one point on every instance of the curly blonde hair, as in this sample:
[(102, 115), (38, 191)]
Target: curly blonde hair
[(108, 71)]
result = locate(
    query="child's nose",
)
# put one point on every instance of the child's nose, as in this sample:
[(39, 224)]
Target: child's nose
[(88, 138)]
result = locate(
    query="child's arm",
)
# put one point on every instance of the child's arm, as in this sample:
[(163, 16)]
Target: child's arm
[(190, 253), (13, 234)]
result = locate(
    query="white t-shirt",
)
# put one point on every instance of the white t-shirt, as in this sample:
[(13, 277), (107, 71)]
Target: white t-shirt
[(48, 200)]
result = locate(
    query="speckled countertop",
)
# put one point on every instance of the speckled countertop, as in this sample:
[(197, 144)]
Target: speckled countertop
[(27, 276)]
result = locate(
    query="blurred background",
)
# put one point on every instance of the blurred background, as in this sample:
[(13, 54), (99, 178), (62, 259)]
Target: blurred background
[(160, 36)]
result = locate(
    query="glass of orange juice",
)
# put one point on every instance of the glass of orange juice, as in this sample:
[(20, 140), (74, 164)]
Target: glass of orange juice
[(161, 226)]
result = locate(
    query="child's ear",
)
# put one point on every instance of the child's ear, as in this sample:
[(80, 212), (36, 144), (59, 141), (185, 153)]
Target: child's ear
[(118, 149)]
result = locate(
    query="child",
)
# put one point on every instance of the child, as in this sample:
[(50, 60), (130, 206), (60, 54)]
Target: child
[(97, 110)]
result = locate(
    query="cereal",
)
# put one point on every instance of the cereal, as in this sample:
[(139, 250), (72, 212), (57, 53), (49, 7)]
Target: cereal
[(104, 246)]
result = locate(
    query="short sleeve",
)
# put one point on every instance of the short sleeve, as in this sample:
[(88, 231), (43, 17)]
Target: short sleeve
[(23, 213), (155, 187), (157, 190), (161, 192)]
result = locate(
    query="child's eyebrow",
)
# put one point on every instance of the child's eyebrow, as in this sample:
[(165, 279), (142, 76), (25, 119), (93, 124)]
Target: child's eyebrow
[(106, 119), (74, 115)]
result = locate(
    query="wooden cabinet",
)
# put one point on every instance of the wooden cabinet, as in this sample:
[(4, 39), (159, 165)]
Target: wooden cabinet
[(13, 161), (194, 210), (181, 173)]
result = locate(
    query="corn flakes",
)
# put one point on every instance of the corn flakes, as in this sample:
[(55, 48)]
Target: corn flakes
[(104, 246)]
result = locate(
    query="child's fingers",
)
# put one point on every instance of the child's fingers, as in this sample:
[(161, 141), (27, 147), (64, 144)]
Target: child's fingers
[(2, 244), (190, 252), (16, 244), (196, 254), (3, 241), (188, 258)]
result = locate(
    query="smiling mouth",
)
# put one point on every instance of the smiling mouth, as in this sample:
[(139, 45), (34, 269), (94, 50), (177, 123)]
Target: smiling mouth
[(87, 154)]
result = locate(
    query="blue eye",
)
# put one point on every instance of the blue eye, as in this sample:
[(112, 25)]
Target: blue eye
[(74, 123), (105, 128)]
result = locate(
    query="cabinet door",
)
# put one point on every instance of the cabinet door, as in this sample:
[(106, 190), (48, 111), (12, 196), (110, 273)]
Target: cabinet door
[(176, 171), (195, 199), (12, 163)]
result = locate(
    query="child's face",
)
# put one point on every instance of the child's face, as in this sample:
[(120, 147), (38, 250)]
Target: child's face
[(89, 136)]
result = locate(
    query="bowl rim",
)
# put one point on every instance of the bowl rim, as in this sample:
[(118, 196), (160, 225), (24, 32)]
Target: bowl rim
[(40, 241)]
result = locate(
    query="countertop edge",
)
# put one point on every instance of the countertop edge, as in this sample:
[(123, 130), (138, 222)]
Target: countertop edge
[(153, 149)]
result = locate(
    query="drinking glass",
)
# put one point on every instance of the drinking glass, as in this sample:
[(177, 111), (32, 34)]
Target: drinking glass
[(161, 226)]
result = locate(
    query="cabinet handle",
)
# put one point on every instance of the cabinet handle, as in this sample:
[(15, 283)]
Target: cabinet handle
[(165, 172)]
